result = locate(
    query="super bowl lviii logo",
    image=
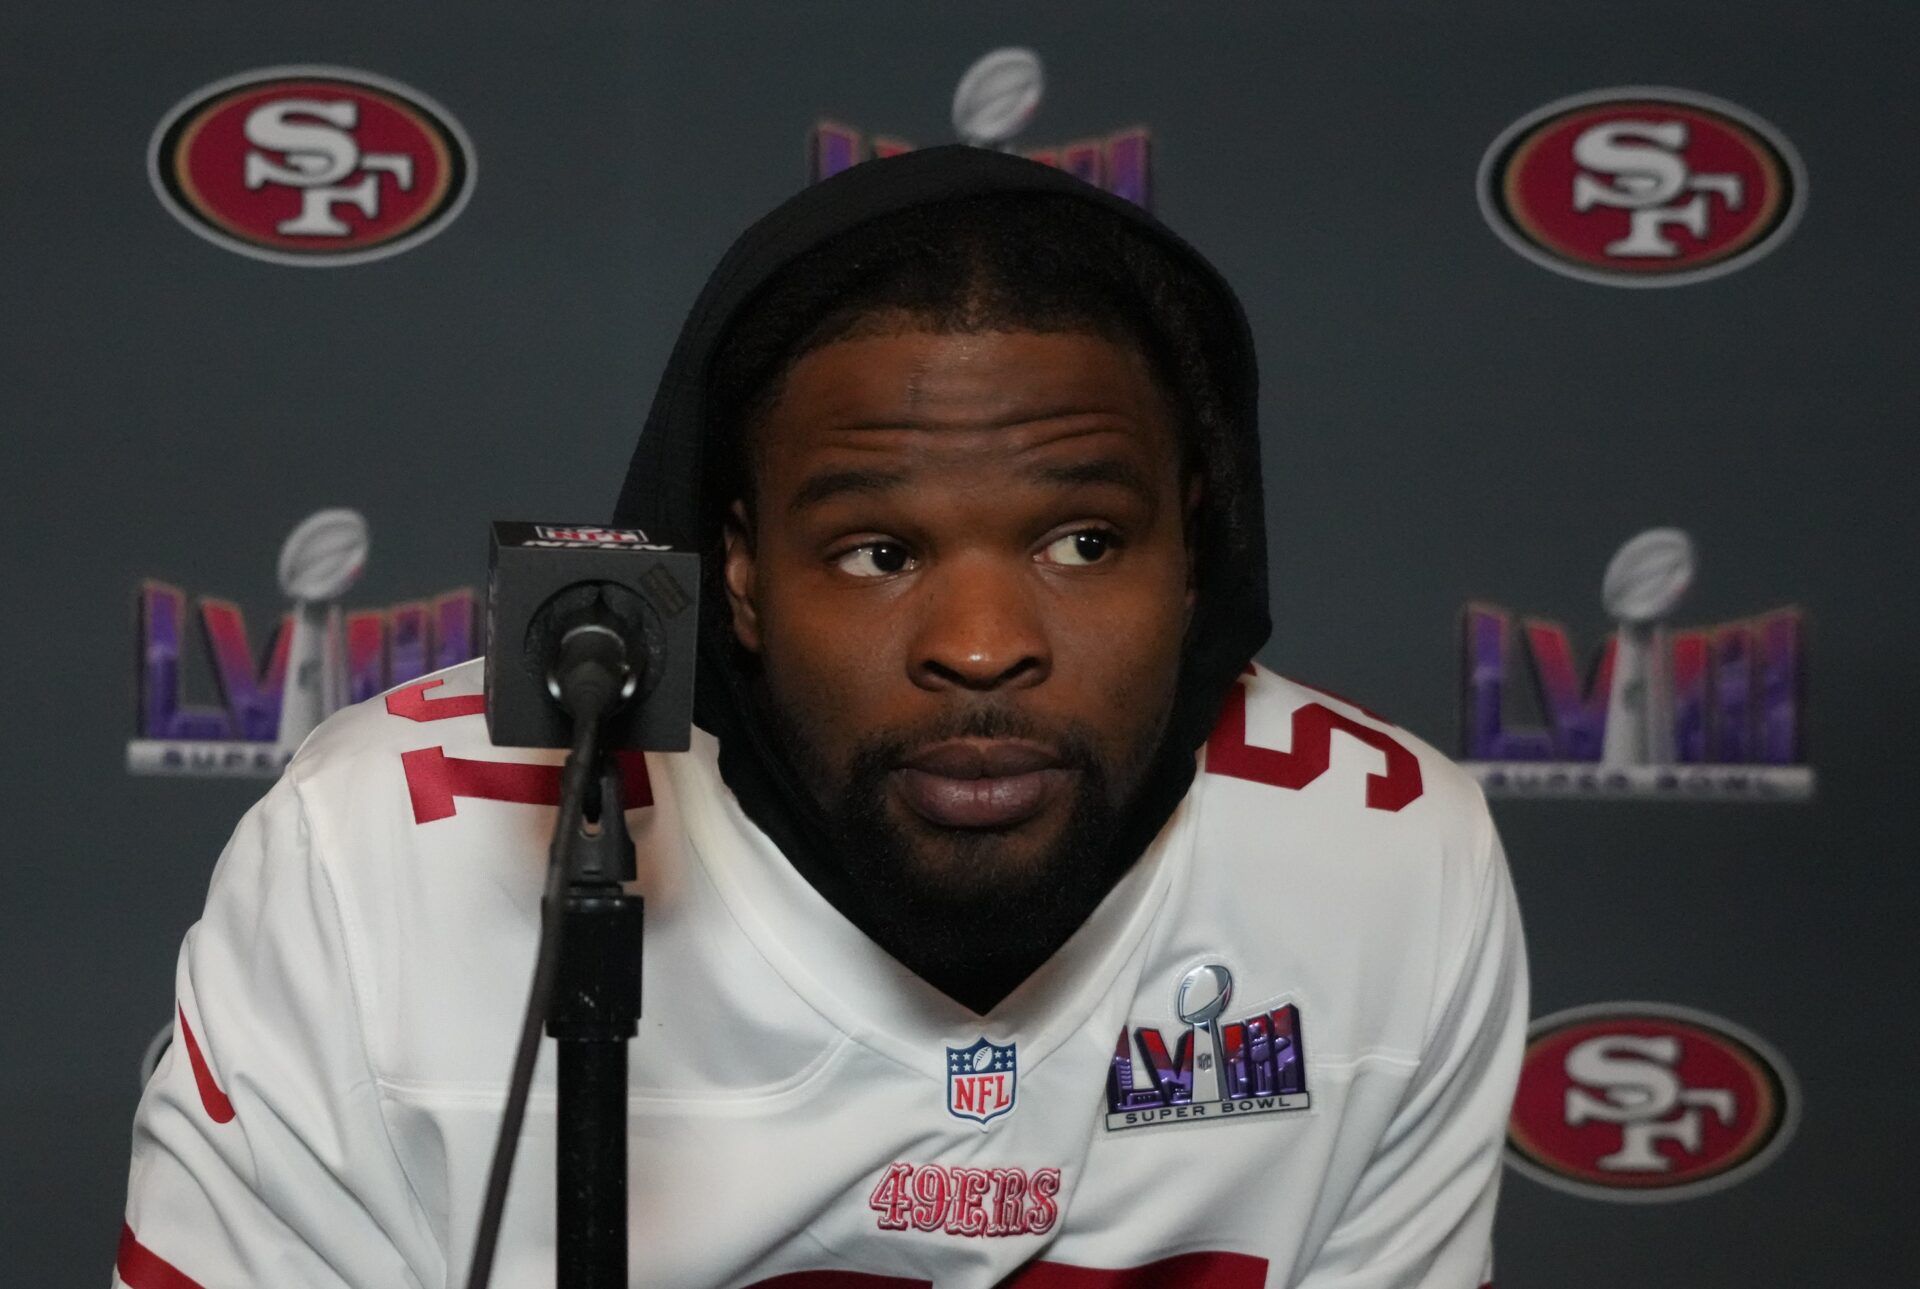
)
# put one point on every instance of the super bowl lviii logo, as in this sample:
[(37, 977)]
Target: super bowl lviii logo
[(1643, 1101), (1699, 712), (994, 102), (318, 658), (311, 165), (1641, 187), (1215, 1069)]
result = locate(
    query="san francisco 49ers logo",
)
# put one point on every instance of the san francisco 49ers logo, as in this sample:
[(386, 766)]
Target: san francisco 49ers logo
[(1641, 187), (311, 165), (1640, 1101)]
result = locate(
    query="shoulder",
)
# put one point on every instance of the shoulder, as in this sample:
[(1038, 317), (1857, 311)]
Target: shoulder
[(1309, 798), (1338, 856), (404, 750), (433, 842), (409, 781), (439, 703)]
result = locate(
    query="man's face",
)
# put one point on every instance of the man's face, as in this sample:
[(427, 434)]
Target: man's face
[(966, 573)]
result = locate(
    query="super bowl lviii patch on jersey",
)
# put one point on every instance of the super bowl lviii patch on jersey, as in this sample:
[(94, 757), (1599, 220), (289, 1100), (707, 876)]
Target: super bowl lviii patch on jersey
[(982, 1079), (1216, 1069)]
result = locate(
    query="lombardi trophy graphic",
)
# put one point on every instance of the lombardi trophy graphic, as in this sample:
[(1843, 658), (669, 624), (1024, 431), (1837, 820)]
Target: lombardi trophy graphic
[(320, 562), (1644, 583), (997, 97), (1203, 997)]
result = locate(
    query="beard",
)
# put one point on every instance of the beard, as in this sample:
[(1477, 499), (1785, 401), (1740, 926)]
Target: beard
[(973, 911)]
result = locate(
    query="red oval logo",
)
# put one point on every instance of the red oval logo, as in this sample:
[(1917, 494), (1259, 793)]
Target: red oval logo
[(1641, 187), (311, 165), (1641, 1101)]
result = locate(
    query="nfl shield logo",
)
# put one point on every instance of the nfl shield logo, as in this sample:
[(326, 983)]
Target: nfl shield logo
[(980, 1081)]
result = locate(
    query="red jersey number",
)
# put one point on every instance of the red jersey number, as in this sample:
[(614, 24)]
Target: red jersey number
[(1228, 752), (413, 703), (435, 780)]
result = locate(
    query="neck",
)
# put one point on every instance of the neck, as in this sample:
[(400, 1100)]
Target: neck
[(976, 953)]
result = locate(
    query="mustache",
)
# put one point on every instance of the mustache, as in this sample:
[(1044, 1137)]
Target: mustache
[(1071, 743)]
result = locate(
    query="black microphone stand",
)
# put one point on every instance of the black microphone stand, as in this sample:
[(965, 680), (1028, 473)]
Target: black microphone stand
[(586, 988), (595, 1010)]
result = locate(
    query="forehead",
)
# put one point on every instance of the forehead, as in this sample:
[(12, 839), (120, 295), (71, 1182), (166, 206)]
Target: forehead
[(982, 393)]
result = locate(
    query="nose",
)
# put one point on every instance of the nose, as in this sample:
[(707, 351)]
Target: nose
[(980, 629)]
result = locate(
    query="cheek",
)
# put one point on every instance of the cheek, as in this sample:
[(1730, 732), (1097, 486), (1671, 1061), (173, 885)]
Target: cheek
[(827, 663), (1119, 653)]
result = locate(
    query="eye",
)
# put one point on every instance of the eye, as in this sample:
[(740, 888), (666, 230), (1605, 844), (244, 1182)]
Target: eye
[(874, 559), (1076, 550)]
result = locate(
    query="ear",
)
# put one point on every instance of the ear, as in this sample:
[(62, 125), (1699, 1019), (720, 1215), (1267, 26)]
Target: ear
[(739, 573)]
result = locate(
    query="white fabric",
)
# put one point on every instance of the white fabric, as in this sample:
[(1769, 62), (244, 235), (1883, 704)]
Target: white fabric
[(356, 983)]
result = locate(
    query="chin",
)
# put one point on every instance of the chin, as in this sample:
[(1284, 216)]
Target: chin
[(963, 866)]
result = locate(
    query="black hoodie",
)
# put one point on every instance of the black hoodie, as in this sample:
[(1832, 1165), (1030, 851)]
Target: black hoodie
[(665, 487)]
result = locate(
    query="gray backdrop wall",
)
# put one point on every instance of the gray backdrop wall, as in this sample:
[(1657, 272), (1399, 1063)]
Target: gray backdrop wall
[(1446, 421)]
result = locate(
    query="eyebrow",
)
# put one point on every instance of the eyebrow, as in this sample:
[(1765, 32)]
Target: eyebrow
[(836, 483), (1108, 470), (825, 487)]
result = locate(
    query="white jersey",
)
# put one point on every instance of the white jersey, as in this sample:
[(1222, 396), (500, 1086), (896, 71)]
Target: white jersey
[(1281, 1051)]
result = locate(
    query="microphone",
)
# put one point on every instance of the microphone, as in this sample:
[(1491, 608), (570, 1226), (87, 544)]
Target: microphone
[(587, 624), (593, 663), (590, 646)]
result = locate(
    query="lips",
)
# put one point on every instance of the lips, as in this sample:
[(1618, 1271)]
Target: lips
[(971, 783)]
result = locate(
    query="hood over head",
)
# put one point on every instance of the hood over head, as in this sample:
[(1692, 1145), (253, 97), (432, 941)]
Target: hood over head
[(669, 486)]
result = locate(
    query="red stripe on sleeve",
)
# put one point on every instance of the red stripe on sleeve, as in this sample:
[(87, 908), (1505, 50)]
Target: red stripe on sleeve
[(142, 1268), (219, 1109)]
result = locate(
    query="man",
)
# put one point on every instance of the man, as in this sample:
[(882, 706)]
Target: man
[(1005, 924)]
